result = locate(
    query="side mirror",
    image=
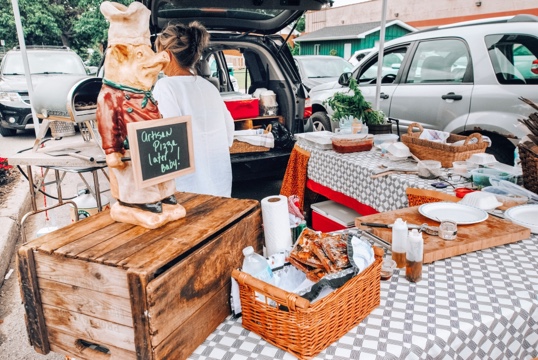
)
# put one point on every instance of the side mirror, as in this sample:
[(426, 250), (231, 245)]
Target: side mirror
[(344, 79)]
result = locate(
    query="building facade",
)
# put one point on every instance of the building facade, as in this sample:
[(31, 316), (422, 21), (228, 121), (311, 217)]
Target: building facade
[(418, 13)]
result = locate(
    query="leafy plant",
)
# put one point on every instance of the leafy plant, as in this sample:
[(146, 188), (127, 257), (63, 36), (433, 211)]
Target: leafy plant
[(354, 104)]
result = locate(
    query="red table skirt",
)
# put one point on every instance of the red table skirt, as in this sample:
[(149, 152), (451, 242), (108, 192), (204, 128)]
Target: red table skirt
[(340, 198)]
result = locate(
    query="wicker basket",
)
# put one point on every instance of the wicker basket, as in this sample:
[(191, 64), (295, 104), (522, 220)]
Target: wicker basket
[(241, 147), (529, 165), (445, 153), (305, 329)]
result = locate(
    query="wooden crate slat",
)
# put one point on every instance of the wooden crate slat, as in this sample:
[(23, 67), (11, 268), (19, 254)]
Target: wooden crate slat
[(215, 215), (98, 253), (89, 328), (35, 321), (84, 274), (139, 306), (209, 268), (96, 237), (138, 243), (100, 305), (64, 343), (51, 241), (180, 343)]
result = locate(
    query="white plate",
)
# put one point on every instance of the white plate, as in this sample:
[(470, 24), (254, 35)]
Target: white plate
[(524, 215), (459, 213)]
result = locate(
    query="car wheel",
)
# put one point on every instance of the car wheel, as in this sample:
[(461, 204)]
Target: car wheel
[(501, 147), (321, 121), (7, 132)]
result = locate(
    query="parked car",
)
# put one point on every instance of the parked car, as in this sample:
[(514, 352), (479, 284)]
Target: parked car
[(319, 69), (460, 78), (248, 31), (46, 63)]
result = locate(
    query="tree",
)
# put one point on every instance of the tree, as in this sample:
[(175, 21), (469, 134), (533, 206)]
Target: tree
[(77, 24)]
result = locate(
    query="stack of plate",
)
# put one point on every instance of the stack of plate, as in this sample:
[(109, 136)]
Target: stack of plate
[(524, 215)]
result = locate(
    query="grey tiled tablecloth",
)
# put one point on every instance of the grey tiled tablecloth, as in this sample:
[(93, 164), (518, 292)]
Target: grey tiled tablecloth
[(482, 305), (350, 174)]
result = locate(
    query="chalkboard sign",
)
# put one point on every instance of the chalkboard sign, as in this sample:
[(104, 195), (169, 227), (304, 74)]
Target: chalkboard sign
[(160, 149)]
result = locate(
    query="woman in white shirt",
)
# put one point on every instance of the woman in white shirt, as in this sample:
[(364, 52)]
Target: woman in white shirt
[(183, 92)]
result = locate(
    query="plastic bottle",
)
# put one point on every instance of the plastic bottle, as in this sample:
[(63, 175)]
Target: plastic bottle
[(257, 266), (356, 126), (414, 256), (399, 242)]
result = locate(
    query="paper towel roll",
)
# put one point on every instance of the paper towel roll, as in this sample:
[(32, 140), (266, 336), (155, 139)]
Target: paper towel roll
[(276, 224)]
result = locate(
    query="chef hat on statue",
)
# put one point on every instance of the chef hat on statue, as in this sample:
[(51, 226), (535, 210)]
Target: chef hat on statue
[(128, 25)]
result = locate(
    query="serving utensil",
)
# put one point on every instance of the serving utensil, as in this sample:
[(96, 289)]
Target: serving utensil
[(430, 230)]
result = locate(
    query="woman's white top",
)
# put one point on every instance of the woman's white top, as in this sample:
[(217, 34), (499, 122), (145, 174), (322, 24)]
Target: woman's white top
[(212, 131)]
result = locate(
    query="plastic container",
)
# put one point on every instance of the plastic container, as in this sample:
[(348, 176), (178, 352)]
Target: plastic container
[(399, 242), (414, 256), (481, 176), (384, 138), (429, 169), (482, 200), (257, 266), (460, 167), (387, 268), (399, 150), (482, 159), (507, 199)]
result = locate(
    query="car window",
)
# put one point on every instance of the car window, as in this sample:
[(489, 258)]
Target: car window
[(439, 61), (514, 58), (44, 63), (324, 67), (392, 61)]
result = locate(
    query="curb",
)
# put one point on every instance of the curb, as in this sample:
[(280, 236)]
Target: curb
[(11, 212)]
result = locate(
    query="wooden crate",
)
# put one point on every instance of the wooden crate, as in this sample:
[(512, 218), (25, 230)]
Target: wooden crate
[(140, 293)]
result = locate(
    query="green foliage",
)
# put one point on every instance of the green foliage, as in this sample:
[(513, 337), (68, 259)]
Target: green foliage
[(301, 24), (354, 104), (77, 24), (296, 50), (333, 52)]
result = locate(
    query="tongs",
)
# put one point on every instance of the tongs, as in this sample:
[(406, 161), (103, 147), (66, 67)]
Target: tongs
[(430, 230)]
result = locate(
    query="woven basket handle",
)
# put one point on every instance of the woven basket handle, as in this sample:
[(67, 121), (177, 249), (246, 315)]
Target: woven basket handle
[(473, 136), (283, 297), (268, 129), (412, 126)]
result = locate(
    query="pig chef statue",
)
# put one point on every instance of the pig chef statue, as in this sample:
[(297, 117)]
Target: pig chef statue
[(131, 70)]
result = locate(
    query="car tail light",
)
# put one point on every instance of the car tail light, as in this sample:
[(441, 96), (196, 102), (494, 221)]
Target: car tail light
[(307, 108), (534, 67)]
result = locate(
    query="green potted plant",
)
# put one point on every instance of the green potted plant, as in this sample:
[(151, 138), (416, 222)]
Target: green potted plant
[(354, 105)]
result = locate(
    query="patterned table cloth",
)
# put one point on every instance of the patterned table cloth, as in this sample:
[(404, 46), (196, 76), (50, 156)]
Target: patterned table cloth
[(482, 305), (350, 174)]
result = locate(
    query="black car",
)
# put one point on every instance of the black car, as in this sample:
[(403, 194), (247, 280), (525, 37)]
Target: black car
[(244, 36), (45, 64)]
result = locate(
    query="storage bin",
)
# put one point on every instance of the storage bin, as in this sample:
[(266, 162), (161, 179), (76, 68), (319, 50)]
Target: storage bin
[(243, 108), (135, 292), (304, 329), (330, 216)]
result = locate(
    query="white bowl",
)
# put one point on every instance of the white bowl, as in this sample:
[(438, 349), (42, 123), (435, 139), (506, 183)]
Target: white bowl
[(482, 200), (399, 150)]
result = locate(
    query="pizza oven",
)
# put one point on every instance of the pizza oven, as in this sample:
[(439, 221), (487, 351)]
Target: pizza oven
[(68, 98)]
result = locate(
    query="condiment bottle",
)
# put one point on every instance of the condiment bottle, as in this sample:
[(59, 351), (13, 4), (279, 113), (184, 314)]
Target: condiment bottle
[(399, 242), (414, 256)]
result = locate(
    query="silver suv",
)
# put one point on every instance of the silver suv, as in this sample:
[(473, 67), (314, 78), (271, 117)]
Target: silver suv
[(461, 78)]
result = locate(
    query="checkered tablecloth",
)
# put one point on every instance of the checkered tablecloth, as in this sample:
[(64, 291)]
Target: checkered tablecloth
[(482, 305), (350, 174)]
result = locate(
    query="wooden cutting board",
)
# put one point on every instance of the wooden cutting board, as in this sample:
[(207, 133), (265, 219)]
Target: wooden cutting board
[(489, 233)]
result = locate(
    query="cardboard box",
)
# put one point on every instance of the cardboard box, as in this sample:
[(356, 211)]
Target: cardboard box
[(243, 108), (99, 289), (330, 216)]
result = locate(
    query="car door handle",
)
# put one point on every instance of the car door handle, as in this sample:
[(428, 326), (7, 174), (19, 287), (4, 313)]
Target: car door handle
[(383, 96), (451, 96)]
